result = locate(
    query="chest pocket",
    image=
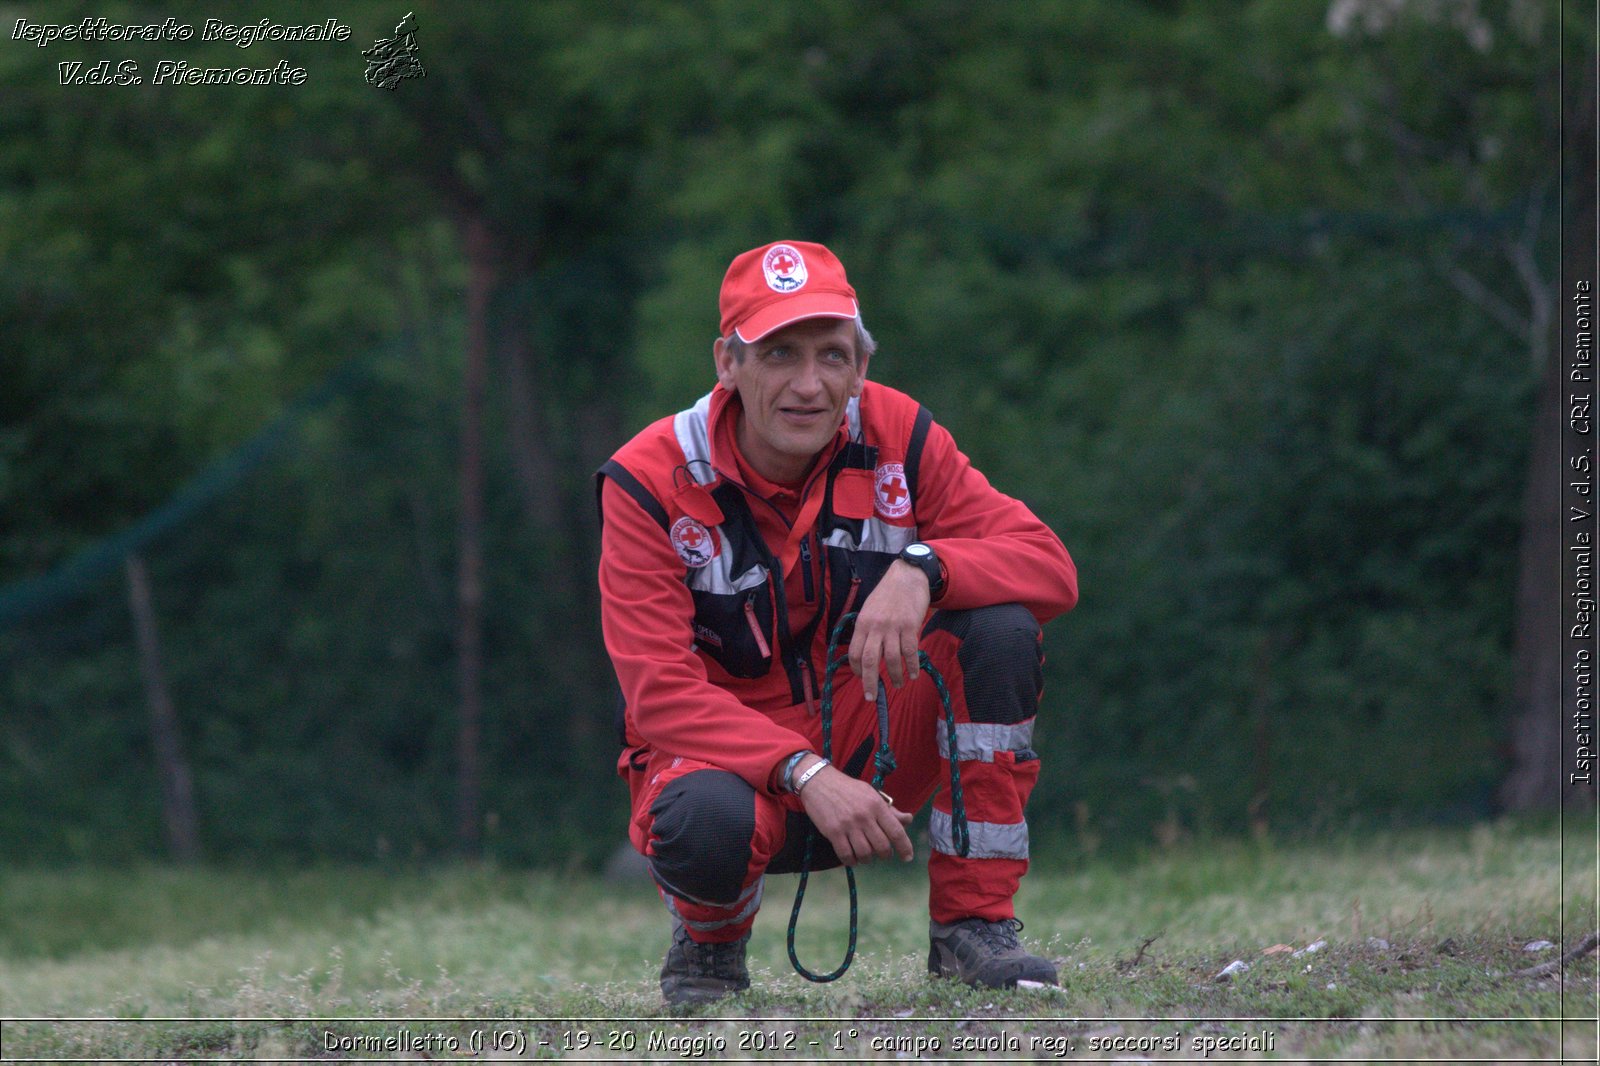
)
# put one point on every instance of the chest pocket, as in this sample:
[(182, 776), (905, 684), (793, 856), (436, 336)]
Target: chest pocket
[(735, 594), (859, 545)]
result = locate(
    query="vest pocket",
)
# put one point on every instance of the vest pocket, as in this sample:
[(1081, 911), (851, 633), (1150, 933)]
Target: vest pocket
[(864, 568), (735, 629)]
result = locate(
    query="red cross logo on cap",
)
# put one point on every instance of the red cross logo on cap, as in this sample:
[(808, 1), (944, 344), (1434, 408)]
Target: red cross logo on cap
[(894, 495), (784, 268)]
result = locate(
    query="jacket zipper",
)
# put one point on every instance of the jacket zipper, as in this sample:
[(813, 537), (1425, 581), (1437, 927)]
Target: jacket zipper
[(805, 682), (805, 571), (850, 598), (755, 626)]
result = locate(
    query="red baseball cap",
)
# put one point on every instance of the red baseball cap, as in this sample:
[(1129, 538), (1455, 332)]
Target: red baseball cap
[(769, 287)]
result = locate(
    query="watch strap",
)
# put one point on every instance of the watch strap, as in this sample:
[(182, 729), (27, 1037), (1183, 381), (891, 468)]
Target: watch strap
[(931, 566)]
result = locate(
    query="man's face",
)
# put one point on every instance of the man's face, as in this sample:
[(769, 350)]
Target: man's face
[(794, 384)]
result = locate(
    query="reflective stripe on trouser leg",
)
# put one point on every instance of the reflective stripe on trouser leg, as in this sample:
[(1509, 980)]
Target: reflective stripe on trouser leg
[(995, 677), (695, 915), (980, 740), (982, 884), (985, 840)]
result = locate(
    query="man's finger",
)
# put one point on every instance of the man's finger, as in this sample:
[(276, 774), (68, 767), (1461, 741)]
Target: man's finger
[(869, 670), (908, 648), (879, 841), (897, 838), (893, 662)]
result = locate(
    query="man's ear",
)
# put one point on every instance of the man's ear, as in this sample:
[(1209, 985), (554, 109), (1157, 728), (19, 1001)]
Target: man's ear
[(723, 360)]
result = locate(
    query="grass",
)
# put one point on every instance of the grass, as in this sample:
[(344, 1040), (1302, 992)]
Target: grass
[(1414, 925)]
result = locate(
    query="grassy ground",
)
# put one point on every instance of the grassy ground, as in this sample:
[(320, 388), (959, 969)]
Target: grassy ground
[(1421, 934)]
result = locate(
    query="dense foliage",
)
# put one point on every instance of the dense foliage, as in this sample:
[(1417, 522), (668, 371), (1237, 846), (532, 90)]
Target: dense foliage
[(1233, 295)]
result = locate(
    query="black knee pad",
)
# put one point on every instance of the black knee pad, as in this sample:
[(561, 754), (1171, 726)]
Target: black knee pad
[(1001, 660), (702, 827)]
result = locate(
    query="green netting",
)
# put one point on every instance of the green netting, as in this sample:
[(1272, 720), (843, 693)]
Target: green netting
[(25, 599)]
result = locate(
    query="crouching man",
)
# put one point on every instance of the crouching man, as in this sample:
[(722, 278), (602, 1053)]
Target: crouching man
[(736, 535)]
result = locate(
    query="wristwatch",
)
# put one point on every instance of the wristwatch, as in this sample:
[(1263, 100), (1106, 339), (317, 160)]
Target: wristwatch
[(923, 558)]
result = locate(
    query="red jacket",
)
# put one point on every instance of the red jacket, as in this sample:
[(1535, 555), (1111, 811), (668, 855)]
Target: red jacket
[(716, 613)]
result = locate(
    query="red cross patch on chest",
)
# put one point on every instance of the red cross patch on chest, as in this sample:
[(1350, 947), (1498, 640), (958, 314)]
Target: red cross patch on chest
[(893, 493)]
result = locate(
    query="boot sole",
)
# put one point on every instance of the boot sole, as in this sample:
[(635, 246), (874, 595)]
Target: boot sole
[(942, 962), (697, 995)]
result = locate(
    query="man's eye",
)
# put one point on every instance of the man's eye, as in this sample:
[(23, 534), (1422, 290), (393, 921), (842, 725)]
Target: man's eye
[(836, 356), (778, 353)]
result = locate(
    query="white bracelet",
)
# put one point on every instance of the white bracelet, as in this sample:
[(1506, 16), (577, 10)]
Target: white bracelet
[(811, 772)]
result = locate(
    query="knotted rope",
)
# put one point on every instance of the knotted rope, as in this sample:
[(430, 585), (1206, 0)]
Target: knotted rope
[(883, 764)]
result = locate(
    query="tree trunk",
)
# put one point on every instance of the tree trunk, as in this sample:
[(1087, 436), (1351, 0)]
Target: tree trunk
[(1534, 781), (177, 784), (1537, 780), (469, 579), (1259, 810)]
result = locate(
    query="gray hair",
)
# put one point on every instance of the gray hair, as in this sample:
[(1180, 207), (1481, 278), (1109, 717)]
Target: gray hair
[(865, 345)]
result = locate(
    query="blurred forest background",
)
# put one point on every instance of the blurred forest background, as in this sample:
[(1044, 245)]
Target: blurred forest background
[(301, 389)]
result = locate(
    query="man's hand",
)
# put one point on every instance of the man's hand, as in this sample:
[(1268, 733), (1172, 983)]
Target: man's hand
[(857, 821), (889, 628)]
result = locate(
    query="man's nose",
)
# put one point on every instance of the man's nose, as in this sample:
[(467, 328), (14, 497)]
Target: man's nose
[(807, 380)]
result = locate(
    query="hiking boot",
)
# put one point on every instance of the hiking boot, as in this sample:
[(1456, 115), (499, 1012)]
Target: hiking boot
[(985, 954), (702, 973)]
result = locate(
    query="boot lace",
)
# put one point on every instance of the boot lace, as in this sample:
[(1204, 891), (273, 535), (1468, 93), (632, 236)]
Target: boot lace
[(714, 960), (1001, 935)]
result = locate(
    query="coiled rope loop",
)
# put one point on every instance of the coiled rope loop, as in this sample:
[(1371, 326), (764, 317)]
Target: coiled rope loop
[(883, 764)]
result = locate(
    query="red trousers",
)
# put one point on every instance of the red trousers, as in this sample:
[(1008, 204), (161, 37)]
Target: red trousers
[(711, 838)]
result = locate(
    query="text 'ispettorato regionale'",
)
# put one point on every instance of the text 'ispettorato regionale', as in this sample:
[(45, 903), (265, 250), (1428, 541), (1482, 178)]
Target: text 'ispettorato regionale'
[(177, 72)]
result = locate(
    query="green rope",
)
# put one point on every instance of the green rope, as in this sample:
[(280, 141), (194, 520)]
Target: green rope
[(883, 766)]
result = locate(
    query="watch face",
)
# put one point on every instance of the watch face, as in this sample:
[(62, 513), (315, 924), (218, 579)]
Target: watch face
[(918, 549)]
